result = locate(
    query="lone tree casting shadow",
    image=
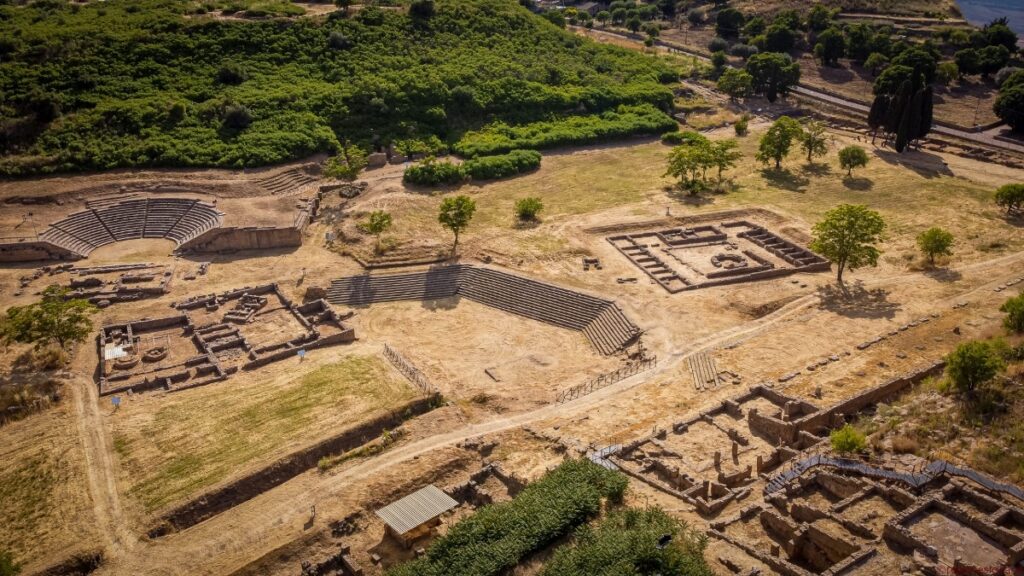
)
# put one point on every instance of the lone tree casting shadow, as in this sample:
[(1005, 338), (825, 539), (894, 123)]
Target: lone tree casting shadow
[(455, 214), (847, 236)]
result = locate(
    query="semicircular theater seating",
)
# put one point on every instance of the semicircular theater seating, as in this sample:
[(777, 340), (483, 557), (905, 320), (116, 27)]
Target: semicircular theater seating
[(176, 219)]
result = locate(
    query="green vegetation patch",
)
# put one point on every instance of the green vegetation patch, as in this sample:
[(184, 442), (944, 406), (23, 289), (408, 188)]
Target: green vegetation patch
[(632, 541), (497, 537), (154, 83), (192, 442), (623, 121)]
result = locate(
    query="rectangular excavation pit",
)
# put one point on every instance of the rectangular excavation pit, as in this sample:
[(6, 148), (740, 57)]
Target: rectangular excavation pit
[(953, 539)]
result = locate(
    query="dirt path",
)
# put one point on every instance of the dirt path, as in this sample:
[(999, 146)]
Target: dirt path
[(100, 468), (230, 540)]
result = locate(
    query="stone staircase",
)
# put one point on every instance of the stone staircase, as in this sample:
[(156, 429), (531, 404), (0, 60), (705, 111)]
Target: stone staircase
[(600, 320)]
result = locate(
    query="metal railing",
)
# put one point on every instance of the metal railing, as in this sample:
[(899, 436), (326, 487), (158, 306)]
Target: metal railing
[(409, 371), (605, 380)]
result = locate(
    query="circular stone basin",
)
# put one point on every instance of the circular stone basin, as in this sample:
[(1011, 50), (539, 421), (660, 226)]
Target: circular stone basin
[(155, 354), (126, 362)]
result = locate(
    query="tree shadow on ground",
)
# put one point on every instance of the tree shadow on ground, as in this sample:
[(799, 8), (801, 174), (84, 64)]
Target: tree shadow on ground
[(855, 301), (689, 198), (785, 179), (816, 169), (943, 274), (859, 183), (923, 163)]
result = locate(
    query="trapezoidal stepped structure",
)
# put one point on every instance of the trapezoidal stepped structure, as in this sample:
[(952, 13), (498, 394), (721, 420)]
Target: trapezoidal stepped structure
[(600, 320), (176, 219)]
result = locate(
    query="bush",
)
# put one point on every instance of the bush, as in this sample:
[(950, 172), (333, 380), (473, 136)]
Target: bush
[(1014, 308), (742, 125), (237, 117), (718, 44), (502, 166), (528, 208), (430, 172), (8, 567), (847, 440), (624, 121), (498, 536), (743, 50), (1010, 197), (347, 165), (972, 365), (231, 73), (673, 138)]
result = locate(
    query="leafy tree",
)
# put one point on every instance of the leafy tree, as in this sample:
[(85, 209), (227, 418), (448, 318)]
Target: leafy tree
[(820, 17), (847, 440), (377, 223), (779, 39), (8, 567), (847, 236), (55, 319), (744, 51), (718, 44), (754, 27), (991, 59), (736, 83), (618, 15), (935, 242), (999, 33), (633, 23), (894, 76), (778, 140), (831, 47), (1014, 308), (1009, 106), (528, 208), (556, 17), (728, 23), (852, 157), (696, 16), (343, 4), (920, 61), (718, 62), (347, 164), (689, 163), (455, 215), (421, 9), (947, 73), (773, 75), (876, 62), (603, 17), (972, 365), (968, 61), (724, 154), (1009, 76), (814, 140), (1010, 197)]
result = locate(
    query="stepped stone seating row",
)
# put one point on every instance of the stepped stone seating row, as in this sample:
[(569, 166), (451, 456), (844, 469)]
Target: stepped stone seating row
[(791, 253), (287, 181), (177, 219), (600, 320)]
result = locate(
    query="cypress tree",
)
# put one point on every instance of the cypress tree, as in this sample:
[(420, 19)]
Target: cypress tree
[(897, 109), (910, 122), (876, 117), (926, 113)]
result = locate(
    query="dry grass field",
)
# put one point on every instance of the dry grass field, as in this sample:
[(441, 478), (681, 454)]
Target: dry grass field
[(173, 446), (45, 505)]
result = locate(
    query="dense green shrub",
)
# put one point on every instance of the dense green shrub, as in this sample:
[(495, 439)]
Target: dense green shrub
[(430, 172), (110, 72), (502, 166), (571, 130), (528, 208), (847, 440), (630, 542), (497, 537)]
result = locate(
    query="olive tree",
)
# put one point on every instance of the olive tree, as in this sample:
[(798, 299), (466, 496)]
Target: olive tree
[(847, 236), (852, 157), (56, 319), (778, 140)]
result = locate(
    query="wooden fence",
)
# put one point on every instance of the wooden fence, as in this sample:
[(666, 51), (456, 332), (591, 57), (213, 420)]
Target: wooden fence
[(409, 371), (605, 380)]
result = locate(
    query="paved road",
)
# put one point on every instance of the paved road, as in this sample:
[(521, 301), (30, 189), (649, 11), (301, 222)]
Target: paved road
[(982, 138)]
